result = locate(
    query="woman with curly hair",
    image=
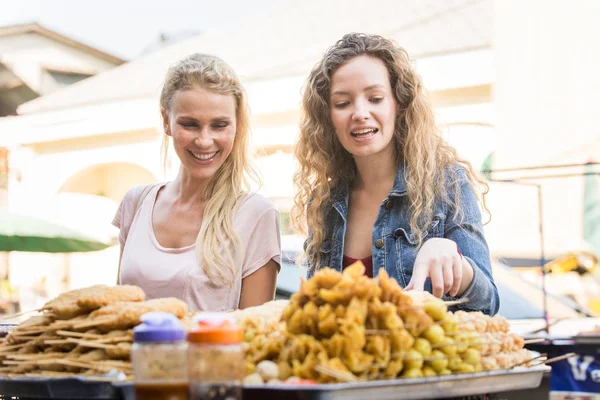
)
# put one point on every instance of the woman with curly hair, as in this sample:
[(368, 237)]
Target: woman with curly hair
[(377, 182)]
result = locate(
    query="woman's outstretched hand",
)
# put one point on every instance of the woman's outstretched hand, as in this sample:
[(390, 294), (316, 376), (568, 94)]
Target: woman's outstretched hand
[(439, 260)]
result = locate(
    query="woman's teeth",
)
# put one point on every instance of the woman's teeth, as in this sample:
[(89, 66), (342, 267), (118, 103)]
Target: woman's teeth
[(364, 132), (204, 156)]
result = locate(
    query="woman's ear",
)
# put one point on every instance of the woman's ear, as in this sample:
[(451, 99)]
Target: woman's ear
[(165, 120)]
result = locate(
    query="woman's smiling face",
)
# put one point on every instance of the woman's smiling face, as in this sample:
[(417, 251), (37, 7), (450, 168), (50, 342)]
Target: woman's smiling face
[(363, 107), (203, 127)]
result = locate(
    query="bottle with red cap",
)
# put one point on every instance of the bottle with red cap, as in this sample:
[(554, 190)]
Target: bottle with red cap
[(159, 358), (215, 358)]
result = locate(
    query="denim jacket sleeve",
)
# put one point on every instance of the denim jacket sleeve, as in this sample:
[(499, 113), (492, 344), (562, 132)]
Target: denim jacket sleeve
[(467, 232)]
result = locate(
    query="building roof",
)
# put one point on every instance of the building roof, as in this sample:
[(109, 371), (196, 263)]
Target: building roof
[(41, 30), (288, 39)]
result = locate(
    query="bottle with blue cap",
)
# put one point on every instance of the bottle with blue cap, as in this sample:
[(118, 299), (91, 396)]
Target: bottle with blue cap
[(159, 358)]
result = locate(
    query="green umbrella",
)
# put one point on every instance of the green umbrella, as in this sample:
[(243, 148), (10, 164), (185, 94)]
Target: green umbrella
[(29, 234)]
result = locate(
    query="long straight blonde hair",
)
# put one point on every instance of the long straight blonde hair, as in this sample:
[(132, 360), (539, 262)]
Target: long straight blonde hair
[(217, 240)]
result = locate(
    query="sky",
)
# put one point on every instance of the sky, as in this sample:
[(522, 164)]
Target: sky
[(125, 28)]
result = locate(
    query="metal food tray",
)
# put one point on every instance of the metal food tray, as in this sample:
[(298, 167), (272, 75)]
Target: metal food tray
[(398, 389), (73, 388), (447, 386)]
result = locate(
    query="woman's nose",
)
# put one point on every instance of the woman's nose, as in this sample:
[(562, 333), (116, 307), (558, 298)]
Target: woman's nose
[(361, 112), (204, 139)]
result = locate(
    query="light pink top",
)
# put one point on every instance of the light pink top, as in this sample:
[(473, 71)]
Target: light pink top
[(166, 272)]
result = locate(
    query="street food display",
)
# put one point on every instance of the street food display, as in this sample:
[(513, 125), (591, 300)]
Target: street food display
[(345, 327), (340, 327), (81, 332)]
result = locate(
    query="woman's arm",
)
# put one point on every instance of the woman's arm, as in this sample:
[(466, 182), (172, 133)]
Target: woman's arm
[(468, 235), (459, 263), (259, 287), (119, 267)]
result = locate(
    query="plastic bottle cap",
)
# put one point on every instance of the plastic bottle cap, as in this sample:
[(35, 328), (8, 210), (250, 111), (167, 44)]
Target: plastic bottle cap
[(217, 328), (159, 327)]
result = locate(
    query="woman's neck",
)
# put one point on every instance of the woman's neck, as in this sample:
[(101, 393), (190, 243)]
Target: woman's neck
[(376, 174), (189, 190)]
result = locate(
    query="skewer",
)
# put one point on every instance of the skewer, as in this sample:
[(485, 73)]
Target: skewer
[(556, 321), (71, 363), (46, 374), (456, 302), (107, 379), (19, 314), (344, 377), (88, 343), (114, 339), (30, 330), (95, 322), (559, 358), (14, 346), (529, 360), (56, 341), (20, 362), (79, 334), (25, 357), (537, 340), (114, 363)]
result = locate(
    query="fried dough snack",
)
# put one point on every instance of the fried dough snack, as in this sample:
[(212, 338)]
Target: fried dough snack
[(129, 315), (93, 299), (56, 344), (76, 302)]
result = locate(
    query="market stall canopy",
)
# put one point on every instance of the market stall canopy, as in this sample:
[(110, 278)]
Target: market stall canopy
[(28, 234)]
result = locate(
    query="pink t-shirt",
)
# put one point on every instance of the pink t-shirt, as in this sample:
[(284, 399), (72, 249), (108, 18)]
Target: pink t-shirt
[(167, 272)]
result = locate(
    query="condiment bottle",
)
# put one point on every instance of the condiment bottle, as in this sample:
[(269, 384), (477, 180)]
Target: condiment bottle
[(215, 358), (159, 358)]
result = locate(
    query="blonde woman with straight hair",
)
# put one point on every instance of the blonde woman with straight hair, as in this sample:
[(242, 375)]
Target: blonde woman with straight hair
[(203, 237), (377, 182)]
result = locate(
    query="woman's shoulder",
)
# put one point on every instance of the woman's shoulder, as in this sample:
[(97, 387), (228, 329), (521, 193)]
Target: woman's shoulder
[(456, 172), (256, 203)]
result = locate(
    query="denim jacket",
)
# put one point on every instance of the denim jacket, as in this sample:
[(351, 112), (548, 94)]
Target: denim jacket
[(394, 246)]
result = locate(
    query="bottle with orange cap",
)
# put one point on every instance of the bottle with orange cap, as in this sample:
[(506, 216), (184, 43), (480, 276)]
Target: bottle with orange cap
[(215, 358)]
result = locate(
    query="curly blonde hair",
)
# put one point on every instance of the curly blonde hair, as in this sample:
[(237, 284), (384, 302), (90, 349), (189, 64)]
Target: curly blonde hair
[(217, 240), (324, 164)]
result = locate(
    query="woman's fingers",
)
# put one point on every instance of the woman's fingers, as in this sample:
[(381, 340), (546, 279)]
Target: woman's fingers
[(448, 273), (457, 272), (419, 275), (437, 278)]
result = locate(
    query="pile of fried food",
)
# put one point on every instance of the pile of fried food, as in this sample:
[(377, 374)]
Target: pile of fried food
[(81, 332), (343, 327), (339, 327)]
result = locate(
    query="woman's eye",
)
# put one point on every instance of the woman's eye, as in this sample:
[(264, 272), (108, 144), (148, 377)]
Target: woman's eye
[(377, 100), (188, 125), (341, 104), (220, 126)]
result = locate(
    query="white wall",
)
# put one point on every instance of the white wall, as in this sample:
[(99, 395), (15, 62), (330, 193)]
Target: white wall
[(28, 54)]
